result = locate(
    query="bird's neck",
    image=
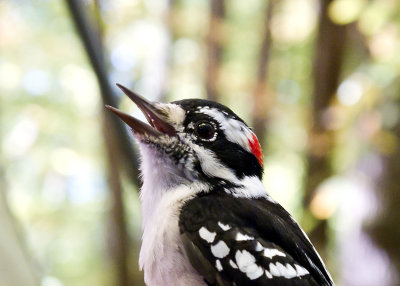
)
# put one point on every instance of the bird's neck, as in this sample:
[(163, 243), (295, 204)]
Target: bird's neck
[(161, 178)]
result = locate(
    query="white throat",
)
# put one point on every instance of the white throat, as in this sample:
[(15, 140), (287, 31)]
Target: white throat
[(159, 177), (163, 193)]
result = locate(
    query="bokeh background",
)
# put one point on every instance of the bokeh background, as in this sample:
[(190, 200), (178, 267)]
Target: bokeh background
[(319, 81)]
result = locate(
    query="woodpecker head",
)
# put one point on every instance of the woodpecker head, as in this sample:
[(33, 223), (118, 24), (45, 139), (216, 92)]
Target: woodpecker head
[(194, 140)]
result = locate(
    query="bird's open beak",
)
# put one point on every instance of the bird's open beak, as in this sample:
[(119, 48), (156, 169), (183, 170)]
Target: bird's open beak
[(158, 126)]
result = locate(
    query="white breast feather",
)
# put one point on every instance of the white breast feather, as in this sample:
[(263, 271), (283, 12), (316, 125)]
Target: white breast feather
[(162, 256)]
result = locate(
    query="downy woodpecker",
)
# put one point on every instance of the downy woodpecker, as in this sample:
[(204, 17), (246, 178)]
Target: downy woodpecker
[(207, 219)]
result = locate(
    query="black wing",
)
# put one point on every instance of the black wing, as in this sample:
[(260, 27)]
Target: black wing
[(248, 242)]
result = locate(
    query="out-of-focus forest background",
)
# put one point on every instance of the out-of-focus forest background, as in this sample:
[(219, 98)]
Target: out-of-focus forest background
[(319, 81)]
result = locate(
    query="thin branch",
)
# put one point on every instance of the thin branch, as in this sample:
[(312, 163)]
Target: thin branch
[(214, 48), (118, 146), (118, 234), (94, 50)]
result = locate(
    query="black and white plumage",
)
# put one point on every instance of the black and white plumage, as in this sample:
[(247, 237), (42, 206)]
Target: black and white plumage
[(248, 239), (207, 219)]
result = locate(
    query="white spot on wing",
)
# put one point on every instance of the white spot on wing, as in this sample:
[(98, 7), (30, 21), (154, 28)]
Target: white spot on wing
[(244, 259), (241, 237), (254, 271), (206, 234), (246, 263), (281, 269), (220, 249), (224, 227), (274, 270), (271, 252), (301, 271), (290, 271), (269, 275), (285, 271), (259, 247), (233, 264), (218, 265)]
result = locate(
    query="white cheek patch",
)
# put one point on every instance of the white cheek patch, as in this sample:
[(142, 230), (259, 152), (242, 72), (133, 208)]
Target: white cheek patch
[(250, 187), (176, 114), (234, 130), (213, 167)]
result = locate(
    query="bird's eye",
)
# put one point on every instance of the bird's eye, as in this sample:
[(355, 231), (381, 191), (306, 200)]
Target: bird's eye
[(204, 130)]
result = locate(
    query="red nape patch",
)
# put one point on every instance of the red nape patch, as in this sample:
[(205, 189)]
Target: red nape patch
[(256, 149)]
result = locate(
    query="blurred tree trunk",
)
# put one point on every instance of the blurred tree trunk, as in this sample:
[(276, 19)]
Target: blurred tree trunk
[(94, 49), (214, 48), (15, 267), (327, 66), (118, 235), (118, 145), (386, 229), (261, 101)]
